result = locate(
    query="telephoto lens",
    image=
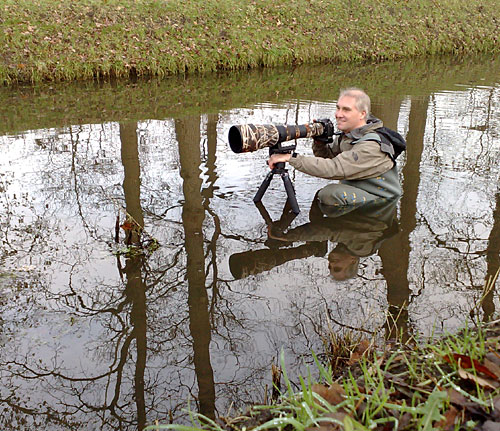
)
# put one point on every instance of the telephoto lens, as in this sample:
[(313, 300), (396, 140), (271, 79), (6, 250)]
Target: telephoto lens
[(250, 137)]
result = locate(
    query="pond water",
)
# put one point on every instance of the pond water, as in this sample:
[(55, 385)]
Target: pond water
[(95, 335)]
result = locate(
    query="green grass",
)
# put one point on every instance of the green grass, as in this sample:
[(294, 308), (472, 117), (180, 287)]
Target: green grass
[(56, 40), (412, 386)]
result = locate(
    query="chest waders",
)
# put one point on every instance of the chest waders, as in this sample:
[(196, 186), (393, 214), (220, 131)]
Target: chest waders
[(354, 193)]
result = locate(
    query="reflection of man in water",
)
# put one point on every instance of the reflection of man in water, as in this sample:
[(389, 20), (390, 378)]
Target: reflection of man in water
[(356, 234), (357, 157), (342, 264)]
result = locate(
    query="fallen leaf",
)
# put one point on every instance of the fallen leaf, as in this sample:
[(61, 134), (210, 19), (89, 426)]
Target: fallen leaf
[(447, 423), (333, 394), (493, 357), (457, 398), (126, 225), (467, 362), (492, 366), (496, 408), (491, 426), (486, 383), (327, 425), (359, 351)]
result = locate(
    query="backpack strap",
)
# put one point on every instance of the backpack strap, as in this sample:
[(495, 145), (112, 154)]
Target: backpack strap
[(371, 136), (385, 145)]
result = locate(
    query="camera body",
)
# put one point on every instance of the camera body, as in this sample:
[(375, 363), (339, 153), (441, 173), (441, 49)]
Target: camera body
[(328, 131)]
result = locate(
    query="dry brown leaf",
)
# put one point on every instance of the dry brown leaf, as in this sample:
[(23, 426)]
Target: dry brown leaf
[(493, 357), (457, 398), (496, 408), (404, 420), (329, 426), (359, 351), (333, 394), (492, 366), (447, 423), (468, 362), (485, 383), (322, 428), (491, 426)]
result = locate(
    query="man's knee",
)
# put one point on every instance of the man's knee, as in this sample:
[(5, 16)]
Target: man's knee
[(340, 195)]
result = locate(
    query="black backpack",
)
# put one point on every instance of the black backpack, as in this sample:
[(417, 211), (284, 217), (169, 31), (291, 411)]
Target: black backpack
[(389, 136)]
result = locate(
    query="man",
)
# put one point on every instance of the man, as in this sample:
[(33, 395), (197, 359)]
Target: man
[(357, 158)]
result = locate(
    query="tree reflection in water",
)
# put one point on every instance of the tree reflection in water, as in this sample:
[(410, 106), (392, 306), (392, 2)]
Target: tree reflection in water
[(395, 252), (125, 394), (193, 214)]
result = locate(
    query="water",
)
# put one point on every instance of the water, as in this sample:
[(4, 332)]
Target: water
[(96, 338)]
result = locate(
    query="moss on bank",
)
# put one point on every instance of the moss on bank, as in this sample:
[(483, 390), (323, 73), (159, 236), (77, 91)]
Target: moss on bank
[(57, 40)]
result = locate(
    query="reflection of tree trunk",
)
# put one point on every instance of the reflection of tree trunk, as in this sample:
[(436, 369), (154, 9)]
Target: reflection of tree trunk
[(131, 180), (132, 171), (135, 290), (411, 171), (492, 259), (208, 193), (211, 154), (193, 214), (395, 252), (388, 112)]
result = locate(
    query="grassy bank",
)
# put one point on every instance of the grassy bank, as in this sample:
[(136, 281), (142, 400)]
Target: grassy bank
[(450, 383), (58, 40)]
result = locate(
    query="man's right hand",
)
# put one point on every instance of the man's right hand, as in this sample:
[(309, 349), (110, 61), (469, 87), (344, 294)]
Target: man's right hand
[(317, 141)]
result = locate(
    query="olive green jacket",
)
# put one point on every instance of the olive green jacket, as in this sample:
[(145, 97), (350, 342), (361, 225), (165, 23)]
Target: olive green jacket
[(343, 160)]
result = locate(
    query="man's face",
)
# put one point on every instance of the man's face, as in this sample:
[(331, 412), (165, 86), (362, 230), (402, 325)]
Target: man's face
[(342, 265), (347, 115)]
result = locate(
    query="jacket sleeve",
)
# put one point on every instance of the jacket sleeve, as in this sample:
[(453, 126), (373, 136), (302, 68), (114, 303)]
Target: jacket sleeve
[(327, 151), (311, 232), (364, 160)]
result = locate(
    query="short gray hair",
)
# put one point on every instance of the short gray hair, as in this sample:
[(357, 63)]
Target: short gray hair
[(362, 100)]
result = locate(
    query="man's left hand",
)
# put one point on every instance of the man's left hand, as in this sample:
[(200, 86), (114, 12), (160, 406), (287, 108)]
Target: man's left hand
[(277, 158)]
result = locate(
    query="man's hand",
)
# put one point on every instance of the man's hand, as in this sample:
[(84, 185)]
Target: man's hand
[(276, 233), (328, 132), (320, 141), (277, 158)]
